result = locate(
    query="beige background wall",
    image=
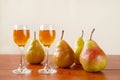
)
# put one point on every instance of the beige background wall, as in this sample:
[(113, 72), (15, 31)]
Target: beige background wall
[(70, 15)]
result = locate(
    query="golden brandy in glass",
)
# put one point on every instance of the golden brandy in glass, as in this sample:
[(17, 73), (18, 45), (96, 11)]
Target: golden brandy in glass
[(47, 36), (21, 35)]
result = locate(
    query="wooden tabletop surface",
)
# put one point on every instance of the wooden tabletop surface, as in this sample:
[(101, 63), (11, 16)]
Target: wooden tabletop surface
[(10, 62)]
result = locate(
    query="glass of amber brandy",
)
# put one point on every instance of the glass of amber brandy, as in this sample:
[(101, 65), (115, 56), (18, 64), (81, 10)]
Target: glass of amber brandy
[(21, 35), (47, 35)]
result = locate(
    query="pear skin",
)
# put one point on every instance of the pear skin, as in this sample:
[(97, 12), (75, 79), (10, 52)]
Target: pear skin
[(35, 53), (63, 55), (79, 43), (93, 58)]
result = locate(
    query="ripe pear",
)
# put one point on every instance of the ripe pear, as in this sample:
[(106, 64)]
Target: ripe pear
[(79, 43), (63, 55), (35, 53), (92, 58)]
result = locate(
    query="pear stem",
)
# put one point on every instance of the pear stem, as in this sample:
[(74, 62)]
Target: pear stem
[(82, 34), (62, 34), (92, 33), (34, 35)]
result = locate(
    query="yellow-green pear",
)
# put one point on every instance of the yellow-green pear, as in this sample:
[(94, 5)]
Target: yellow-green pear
[(63, 55), (79, 43), (35, 53), (92, 58)]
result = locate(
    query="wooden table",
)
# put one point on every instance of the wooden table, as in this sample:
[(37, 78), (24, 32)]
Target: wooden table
[(10, 62)]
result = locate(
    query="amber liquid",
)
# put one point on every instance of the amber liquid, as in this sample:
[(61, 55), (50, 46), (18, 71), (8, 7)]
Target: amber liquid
[(47, 37), (21, 37)]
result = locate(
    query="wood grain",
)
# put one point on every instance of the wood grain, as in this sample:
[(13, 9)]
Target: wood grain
[(75, 72)]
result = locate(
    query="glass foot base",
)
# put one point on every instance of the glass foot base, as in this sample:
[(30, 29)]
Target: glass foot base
[(47, 71), (21, 71)]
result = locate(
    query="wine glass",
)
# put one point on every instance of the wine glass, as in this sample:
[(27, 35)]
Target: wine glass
[(47, 36), (21, 35)]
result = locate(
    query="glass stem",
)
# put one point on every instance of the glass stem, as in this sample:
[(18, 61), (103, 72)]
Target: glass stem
[(47, 57), (21, 56)]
